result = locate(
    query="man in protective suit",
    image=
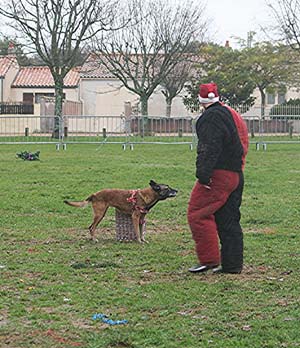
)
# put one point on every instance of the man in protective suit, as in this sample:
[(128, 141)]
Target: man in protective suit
[(214, 206)]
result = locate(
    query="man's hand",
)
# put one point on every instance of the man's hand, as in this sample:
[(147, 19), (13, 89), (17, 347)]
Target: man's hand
[(208, 185)]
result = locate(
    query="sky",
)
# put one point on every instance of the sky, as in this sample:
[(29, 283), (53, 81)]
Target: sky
[(232, 18), (235, 18)]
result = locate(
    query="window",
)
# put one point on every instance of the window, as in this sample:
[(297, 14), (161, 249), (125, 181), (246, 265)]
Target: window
[(28, 98), (270, 98), (281, 98), (38, 96)]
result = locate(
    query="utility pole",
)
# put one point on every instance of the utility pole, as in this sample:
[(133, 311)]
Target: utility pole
[(250, 36)]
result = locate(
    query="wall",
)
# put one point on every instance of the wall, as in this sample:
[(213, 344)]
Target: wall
[(157, 105), (17, 93), (7, 82), (107, 98), (104, 97)]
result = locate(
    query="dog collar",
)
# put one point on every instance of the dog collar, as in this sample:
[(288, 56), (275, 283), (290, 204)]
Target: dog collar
[(133, 200)]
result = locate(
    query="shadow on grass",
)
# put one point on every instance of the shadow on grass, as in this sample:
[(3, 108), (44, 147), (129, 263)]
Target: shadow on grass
[(79, 265)]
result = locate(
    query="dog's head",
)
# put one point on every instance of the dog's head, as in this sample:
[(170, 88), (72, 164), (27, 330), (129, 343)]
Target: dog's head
[(163, 191)]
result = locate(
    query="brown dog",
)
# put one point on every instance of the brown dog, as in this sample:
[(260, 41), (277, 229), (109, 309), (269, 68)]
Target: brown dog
[(137, 203)]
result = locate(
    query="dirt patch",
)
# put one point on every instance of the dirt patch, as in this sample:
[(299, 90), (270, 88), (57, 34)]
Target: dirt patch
[(121, 344), (82, 324), (4, 318), (265, 230), (156, 227)]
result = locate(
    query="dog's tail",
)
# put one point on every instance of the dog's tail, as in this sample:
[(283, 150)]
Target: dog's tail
[(80, 204)]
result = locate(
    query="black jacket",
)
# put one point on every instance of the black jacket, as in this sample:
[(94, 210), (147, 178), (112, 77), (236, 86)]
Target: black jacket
[(219, 145)]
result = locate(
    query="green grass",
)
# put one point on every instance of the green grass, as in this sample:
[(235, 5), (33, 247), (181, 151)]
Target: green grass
[(53, 279), (99, 139)]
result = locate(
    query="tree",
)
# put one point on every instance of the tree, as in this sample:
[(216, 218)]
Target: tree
[(173, 84), (57, 31), (287, 16), (10, 46), (144, 53), (270, 67), (224, 66), (5, 44)]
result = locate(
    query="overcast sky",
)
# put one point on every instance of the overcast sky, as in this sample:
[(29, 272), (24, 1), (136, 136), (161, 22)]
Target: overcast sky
[(237, 18), (228, 18)]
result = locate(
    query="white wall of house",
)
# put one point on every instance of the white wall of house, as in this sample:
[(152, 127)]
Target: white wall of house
[(271, 100), (7, 82), (292, 93), (17, 93), (107, 98), (104, 97), (276, 98), (1, 89), (157, 105)]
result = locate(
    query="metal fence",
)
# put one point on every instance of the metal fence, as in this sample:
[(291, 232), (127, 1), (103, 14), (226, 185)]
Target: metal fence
[(272, 124), (28, 129), (275, 129), (134, 130), (16, 108), (96, 130)]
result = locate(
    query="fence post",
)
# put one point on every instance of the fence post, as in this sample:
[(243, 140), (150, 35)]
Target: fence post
[(60, 129), (26, 132), (291, 129), (104, 133)]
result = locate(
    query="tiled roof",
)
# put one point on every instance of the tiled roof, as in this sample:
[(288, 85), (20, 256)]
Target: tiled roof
[(5, 64), (95, 68), (40, 76), (92, 68)]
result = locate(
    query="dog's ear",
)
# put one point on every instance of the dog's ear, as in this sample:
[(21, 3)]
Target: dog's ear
[(154, 185)]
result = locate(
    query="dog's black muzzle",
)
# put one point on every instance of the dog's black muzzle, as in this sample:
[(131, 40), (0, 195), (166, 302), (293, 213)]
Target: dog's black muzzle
[(167, 194)]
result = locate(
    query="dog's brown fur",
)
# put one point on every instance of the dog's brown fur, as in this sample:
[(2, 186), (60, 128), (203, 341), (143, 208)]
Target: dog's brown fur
[(144, 200)]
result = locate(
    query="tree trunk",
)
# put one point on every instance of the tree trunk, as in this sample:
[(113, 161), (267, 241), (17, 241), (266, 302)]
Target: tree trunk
[(144, 128), (168, 107), (144, 105), (263, 102), (59, 95)]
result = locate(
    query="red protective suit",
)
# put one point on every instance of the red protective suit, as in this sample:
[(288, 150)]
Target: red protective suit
[(214, 209)]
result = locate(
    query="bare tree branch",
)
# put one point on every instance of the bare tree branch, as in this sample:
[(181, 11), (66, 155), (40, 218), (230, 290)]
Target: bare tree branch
[(57, 30), (287, 16), (142, 54), (175, 81)]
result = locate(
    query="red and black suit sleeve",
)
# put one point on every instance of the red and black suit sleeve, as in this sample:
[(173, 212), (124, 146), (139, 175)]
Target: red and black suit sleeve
[(219, 143), (210, 145)]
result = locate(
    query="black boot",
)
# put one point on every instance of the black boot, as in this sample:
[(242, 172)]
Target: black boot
[(201, 268)]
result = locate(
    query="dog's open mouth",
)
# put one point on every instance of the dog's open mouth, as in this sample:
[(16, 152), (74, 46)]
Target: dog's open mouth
[(173, 193), (167, 194)]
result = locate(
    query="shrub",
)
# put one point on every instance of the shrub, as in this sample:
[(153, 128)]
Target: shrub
[(289, 108)]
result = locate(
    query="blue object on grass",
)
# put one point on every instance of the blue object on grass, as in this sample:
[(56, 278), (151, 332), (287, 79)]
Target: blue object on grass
[(108, 321)]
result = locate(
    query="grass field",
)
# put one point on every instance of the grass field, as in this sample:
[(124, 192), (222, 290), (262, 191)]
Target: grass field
[(53, 279)]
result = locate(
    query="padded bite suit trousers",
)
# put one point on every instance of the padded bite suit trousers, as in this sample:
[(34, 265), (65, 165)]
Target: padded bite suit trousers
[(214, 215)]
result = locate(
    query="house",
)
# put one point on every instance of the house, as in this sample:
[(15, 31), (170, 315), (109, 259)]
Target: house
[(91, 90), (97, 91), (104, 95), (22, 88), (33, 83), (9, 68)]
